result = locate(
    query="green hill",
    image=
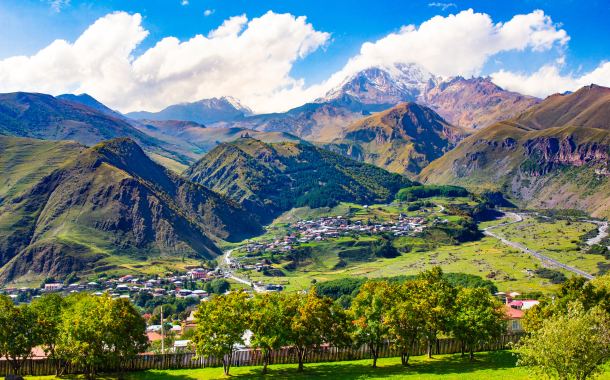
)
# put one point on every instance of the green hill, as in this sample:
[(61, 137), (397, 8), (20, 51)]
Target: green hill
[(45, 117), (109, 204), (537, 160), (23, 161), (403, 139), (270, 178)]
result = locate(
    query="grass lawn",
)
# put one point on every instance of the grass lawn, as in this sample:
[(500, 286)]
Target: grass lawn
[(488, 365)]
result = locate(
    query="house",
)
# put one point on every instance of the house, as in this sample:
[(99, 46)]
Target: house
[(153, 336), (513, 317), (53, 287)]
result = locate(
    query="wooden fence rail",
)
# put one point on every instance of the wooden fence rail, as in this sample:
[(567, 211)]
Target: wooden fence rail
[(42, 366)]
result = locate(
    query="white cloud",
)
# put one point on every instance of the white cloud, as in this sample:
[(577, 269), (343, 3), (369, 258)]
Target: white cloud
[(209, 12), (250, 60), (185, 2), (457, 44), (548, 80), (442, 5), (57, 5)]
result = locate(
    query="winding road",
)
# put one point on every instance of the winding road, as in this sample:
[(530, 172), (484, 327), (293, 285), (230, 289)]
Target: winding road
[(517, 219), (226, 261)]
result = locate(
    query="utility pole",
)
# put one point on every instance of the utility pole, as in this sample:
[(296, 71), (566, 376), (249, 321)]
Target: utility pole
[(162, 333)]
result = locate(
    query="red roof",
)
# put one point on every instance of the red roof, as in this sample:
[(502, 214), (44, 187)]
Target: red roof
[(153, 336), (515, 303), (513, 313)]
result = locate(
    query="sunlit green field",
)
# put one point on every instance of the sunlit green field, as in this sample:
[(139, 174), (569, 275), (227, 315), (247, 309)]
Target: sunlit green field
[(498, 365)]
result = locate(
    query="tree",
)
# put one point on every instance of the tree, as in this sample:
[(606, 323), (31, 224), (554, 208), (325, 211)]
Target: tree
[(404, 317), (479, 318), (100, 330), (270, 325), (570, 345), (208, 287), (221, 324), (49, 310), (18, 332), (220, 285), (437, 304), (314, 321), (126, 333), (368, 311)]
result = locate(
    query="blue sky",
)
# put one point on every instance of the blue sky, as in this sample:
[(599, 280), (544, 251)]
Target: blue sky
[(29, 26)]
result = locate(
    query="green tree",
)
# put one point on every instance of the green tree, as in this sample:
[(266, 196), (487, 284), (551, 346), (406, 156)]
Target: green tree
[(99, 330), (479, 318), (270, 325), (208, 287), (368, 311), (438, 303), (570, 345), (220, 285), (126, 333), (221, 324), (314, 321), (404, 316), (49, 310), (19, 332)]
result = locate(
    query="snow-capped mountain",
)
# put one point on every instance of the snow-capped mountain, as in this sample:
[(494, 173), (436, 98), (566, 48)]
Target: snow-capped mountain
[(470, 103), (205, 111), (380, 87)]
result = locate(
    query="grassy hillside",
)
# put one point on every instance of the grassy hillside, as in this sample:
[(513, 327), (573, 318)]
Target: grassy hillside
[(269, 178), (23, 161), (44, 117), (111, 202), (587, 107), (563, 167), (403, 139)]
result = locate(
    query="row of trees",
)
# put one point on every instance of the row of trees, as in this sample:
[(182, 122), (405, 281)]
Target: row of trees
[(405, 314), (81, 330)]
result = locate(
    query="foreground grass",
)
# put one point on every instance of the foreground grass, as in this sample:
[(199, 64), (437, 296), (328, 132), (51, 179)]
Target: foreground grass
[(488, 365)]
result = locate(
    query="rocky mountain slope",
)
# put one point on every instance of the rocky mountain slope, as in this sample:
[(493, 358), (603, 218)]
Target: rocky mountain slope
[(270, 178), (403, 139), (91, 102), (474, 103), (205, 111), (554, 155), (313, 122), (45, 117), (108, 205), (468, 103)]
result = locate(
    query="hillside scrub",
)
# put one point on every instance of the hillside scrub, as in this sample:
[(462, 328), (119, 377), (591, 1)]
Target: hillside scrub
[(414, 193)]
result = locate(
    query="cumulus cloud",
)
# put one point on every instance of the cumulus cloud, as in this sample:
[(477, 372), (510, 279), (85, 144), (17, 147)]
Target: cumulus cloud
[(209, 12), (442, 5), (252, 59), (185, 2), (548, 79), (249, 59), (457, 44)]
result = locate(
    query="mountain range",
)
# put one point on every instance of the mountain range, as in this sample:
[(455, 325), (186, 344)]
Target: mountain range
[(91, 210), (403, 139), (554, 155), (271, 178), (469, 103), (204, 111)]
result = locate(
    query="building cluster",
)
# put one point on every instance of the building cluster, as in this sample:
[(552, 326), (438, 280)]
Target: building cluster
[(126, 286)]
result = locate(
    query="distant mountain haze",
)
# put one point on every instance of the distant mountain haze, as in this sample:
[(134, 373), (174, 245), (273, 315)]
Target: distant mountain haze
[(45, 117), (206, 111)]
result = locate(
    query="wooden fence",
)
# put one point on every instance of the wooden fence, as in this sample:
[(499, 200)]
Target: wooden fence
[(42, 366)]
